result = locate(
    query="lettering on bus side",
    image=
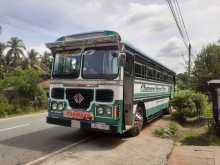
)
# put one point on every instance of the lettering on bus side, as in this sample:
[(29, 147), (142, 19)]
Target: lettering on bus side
[(146, 88)]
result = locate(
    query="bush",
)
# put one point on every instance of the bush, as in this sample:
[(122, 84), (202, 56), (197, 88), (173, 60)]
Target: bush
[(189, 104), (169, 132), (21, 92), (5, 108)]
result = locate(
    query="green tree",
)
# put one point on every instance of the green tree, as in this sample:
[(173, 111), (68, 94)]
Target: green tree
[(33, 59), (46, 61), (22, 89), (206, 67), (2, 60), (15, 52), (182, 79)]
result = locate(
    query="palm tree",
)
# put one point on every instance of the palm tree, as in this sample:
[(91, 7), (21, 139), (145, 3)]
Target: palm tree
[(2, 61), (33, 59), (46, 61), (15, 52)]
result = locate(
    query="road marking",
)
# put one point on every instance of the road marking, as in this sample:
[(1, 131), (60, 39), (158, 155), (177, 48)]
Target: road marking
[(17, 126), (59, 151)]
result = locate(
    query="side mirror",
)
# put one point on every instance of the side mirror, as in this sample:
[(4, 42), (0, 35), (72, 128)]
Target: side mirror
[(122, 58)]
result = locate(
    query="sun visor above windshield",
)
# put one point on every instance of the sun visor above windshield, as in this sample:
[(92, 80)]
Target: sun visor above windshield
[(83, 39)]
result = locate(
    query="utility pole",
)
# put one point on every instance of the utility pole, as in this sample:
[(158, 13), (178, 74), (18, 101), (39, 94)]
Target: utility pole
[(189, 63)]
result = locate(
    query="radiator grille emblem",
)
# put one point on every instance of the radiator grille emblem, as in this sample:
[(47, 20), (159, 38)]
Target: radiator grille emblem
[(78, 98)]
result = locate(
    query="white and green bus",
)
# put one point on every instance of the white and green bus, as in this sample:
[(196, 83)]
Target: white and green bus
[(101, 83)]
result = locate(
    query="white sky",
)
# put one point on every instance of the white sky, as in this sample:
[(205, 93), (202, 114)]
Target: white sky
[(147, 24)]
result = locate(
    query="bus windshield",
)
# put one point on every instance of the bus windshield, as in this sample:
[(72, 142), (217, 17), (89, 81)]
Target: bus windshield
[(100, 64), (67, 65)]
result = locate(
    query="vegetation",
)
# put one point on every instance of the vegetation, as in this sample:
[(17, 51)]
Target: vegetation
[(189, 104), (182, 81), (169, 132), (188, 124), (203, 136), (194, 132), (206, 67), (21, 73)]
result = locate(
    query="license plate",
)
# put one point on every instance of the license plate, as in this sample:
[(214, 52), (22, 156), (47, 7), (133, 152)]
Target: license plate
[(102, 126), (75, 123), (77, 115)]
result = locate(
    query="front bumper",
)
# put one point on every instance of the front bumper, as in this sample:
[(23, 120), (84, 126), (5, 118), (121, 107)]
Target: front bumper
[(83, 124)]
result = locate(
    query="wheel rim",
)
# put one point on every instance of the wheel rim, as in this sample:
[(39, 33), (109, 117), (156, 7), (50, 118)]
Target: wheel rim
[(139, 120)]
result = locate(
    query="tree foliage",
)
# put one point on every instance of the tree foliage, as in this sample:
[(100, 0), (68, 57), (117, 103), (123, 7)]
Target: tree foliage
[(21, 91), (2, 60), (15, 52), (182, 80), (190, 104), (206, 67), (21, 73)]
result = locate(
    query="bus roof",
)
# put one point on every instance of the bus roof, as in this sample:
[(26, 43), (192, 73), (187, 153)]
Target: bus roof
[(98, 36), (89, 35)]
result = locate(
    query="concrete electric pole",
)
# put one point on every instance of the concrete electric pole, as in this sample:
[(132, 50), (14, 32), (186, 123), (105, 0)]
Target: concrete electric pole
[(189, 63)]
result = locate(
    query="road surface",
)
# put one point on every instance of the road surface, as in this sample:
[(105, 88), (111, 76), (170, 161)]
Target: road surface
[(29, 140), (26, 138)]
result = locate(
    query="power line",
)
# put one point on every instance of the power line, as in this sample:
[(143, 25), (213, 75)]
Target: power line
[(178, 18), (181, 17), (177, 22)]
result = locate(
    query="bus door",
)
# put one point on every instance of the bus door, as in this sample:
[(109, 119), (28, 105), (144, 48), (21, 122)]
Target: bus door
[(128, 90)]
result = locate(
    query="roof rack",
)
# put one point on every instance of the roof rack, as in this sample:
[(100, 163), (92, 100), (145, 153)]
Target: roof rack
[(85, 38)]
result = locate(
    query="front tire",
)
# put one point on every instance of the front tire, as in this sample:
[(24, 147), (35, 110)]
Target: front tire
[(138, 123)]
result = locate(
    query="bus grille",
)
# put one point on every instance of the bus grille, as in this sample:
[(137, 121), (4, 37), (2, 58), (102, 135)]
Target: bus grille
[(79, 98), (104, 95)]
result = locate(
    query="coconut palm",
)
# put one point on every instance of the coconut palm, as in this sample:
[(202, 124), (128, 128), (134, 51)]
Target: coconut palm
[(46, 61), (15, 52), (33, 59)]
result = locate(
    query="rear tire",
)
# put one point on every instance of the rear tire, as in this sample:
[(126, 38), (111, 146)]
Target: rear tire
[(138, 123)]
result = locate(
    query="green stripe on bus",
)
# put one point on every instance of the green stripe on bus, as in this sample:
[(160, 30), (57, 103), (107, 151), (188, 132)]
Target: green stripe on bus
[(141, 95), (156, 109)]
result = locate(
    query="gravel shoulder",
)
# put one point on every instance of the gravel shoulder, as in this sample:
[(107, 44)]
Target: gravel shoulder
[(116, 150), (191, 155)]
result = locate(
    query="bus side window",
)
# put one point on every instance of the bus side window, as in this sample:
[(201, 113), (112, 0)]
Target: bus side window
[(128, 69), (138, 70)]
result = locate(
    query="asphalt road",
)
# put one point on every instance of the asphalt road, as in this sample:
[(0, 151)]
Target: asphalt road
[(27, 138)]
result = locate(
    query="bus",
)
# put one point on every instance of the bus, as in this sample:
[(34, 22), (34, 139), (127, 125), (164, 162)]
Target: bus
[(101, 83)]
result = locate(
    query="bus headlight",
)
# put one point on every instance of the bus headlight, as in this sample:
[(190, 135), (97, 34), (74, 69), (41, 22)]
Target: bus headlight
[(100, 111), (57, 106), (54, 106), (108, 111), (104, 110), (60, 106)]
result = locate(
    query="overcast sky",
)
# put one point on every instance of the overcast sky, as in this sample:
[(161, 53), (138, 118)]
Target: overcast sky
[(147, 24)]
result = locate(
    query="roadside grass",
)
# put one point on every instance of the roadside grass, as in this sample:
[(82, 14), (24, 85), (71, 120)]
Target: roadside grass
[(168, 132), (203, 136), (193, 132), (24, 113)]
